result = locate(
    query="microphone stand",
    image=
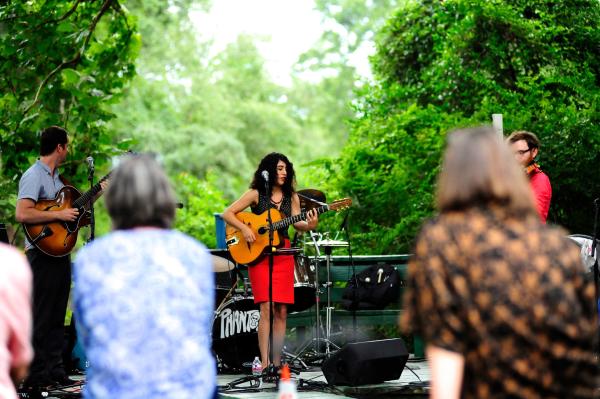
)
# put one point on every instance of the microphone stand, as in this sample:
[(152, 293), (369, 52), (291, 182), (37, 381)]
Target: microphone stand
[(596, 272), (92, 217), (255, 382), (72, 327), (271, 371)]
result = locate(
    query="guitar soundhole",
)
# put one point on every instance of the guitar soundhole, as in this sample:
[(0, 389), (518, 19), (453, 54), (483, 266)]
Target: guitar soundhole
[(262, 230)]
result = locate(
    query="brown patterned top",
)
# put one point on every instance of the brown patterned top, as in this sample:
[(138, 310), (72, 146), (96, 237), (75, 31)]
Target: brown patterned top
[(511, 297)]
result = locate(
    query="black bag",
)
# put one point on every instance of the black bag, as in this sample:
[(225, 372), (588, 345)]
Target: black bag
[(374, 288)]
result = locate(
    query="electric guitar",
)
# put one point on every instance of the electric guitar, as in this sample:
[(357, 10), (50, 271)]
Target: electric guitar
[(244, 252), (58, 238)]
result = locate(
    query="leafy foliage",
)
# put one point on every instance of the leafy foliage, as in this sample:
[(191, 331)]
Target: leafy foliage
[(442, 65), (62, 63), (223, 112), (197, 216), (350, 26)]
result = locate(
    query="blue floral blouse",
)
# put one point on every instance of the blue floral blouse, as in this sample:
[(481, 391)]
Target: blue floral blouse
[(144, 306)]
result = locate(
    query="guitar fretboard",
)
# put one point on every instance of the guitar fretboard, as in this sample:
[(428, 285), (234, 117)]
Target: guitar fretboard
[(283, 223), (85, 198)]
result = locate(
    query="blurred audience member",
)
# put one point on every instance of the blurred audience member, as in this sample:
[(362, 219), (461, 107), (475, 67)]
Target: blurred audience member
[(499, 297), (15, 320), (144, 296), (526, 146)]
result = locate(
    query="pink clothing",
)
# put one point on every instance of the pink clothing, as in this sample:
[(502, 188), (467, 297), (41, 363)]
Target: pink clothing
[(15, 316), (542, 191)]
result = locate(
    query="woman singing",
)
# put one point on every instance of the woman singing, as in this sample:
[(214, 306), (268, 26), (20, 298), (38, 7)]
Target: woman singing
[(283, 198)]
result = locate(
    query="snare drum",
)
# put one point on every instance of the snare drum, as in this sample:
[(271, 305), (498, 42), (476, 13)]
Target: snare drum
[(304, 284), (235, 332)]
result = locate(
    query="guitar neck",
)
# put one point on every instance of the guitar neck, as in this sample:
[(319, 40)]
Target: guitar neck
[(86, 197), (283, 223)]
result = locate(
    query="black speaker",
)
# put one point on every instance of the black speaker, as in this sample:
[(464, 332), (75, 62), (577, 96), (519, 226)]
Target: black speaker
[(368, 362)]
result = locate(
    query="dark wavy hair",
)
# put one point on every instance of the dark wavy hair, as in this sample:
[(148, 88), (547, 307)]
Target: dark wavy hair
[(269, 163)]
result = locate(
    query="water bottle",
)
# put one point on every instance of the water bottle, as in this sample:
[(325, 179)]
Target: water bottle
[(257, 367)]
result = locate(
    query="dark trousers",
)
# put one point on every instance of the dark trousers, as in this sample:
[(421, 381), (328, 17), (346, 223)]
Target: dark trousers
[(51, 286)]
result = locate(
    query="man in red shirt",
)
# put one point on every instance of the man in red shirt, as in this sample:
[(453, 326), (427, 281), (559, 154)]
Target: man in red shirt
[(525, 146)]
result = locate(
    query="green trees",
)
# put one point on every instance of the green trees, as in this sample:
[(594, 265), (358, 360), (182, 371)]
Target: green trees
[(446, 64), (211, 117), (62, 62)]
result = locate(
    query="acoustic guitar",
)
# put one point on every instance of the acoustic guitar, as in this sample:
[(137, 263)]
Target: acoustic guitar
[(58, 238), (246, 253)]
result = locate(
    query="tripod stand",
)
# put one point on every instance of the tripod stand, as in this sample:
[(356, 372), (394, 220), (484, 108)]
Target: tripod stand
[(328, 246)]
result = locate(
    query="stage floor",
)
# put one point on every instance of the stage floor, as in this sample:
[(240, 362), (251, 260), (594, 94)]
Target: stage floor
[(410, 385), (312, 384)]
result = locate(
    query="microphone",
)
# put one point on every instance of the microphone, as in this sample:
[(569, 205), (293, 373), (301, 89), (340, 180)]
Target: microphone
[(90, 162), (265, 175)]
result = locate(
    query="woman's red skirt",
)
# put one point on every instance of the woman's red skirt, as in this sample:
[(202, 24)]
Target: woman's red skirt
[(283, 278)]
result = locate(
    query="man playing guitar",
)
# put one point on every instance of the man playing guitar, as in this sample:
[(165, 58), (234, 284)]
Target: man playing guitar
[(51, 274)]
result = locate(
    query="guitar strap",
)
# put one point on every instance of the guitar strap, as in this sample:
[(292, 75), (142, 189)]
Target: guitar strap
[(532, 169), (65, 181)]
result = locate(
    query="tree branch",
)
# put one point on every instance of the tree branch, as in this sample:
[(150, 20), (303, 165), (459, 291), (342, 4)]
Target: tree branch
[(117, 7), (92, 27), (72, 62), (67, 15)]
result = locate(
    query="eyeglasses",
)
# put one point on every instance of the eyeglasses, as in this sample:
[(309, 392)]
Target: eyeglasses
[(522, 152)]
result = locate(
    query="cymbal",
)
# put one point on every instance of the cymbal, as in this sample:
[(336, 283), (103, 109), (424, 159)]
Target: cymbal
[(221, 264), (332, 243), (306, 203)]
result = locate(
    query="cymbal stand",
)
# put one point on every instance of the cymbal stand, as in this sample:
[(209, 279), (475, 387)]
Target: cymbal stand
[(328, 308), (317, 340)]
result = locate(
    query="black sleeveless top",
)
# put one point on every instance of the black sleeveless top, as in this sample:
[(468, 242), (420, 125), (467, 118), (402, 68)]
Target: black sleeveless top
[(264, 203)]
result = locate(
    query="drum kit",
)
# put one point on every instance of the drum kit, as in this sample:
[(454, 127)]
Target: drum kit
[(235, 323), (587, 253)]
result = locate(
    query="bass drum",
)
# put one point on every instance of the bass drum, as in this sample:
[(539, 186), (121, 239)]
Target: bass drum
[(235, 332), (304, 284)]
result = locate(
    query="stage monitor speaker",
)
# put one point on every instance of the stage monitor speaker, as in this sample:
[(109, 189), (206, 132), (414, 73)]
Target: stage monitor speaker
[(368, 362)]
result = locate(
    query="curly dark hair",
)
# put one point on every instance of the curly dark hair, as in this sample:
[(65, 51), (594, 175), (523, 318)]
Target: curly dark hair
[(269, 163)]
